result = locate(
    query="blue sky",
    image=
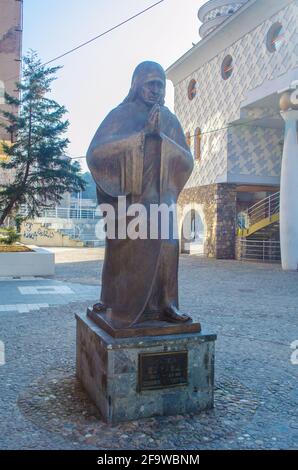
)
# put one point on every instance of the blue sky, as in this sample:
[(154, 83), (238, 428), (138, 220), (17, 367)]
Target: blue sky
[(97, 77)]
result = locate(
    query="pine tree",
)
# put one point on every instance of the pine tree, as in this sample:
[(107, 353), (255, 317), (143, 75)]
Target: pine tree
[(40, 173)]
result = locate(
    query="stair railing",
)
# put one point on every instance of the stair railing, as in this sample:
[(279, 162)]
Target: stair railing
[(258, 250), (263, 209)]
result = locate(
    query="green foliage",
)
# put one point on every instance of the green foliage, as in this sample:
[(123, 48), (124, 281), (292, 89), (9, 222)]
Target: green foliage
[(9, 235), (41, 173), (90, 190), (18, 220)]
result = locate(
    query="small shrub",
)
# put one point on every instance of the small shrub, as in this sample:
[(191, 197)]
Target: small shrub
[(18, 220), (8, 236)]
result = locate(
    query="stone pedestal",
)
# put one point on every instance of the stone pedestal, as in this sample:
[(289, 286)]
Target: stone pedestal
[(132, 378)]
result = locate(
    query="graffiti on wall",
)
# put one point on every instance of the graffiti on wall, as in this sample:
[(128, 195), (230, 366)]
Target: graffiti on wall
[(32, 233)]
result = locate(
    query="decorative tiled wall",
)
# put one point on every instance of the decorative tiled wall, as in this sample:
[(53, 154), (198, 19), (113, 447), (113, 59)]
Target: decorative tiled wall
[(244, 150), (255, 150)]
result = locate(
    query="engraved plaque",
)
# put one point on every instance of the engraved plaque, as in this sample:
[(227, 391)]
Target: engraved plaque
[(162, 370)]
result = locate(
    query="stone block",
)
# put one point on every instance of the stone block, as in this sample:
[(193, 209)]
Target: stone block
[(38, 262)]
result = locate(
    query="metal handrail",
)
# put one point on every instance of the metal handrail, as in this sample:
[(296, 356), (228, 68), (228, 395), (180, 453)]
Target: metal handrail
[(259, 250), (263, 209), (66, 213)]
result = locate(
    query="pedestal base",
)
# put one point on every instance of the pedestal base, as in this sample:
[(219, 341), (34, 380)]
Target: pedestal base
[(146, 328), (131, 378)]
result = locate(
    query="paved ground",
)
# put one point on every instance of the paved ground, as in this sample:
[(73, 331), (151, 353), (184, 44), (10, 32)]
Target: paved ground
[(253, 309), (25, 295)]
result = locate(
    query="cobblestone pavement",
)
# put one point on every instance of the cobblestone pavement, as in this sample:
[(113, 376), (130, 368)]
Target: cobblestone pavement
[(253, 309)]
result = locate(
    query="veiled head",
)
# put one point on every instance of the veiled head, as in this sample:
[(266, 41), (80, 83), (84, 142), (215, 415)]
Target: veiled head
[(148, 84)]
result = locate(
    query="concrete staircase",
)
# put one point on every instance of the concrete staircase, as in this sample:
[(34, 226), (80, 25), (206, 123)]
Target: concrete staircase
[(86, 233)]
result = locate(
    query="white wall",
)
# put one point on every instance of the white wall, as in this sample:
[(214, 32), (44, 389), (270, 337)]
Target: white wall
[(218, 103)]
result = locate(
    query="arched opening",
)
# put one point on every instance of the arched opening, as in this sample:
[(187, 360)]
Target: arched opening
[(193, 231)]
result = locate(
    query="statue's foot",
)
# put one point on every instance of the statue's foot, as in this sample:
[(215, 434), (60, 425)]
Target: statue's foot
[(172, 315), (99, 307)]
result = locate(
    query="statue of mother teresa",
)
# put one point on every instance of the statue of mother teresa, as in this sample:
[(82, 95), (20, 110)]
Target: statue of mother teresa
[(139, 152)]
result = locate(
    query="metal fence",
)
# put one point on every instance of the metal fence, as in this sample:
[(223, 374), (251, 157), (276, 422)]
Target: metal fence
[(66, 213), (258, 250)]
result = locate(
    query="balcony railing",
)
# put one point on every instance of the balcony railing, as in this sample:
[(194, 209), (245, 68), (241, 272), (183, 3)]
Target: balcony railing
[(66, 213)]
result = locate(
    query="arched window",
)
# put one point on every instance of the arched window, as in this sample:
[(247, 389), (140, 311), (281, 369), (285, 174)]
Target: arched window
[(197, 149), (188, 138), (192, 89), (2, 91), (227, 67), (275, 37)]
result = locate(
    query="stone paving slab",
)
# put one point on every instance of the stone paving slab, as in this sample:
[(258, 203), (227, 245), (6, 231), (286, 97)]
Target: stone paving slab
[(31, 294)]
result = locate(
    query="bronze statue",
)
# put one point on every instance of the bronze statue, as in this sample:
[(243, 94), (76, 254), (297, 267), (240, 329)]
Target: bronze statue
[(139, 151)]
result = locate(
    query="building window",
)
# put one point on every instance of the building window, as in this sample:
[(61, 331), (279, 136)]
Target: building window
[(188, 138), (192, 89), (2, 91), (275, 37), (227, 67), (198, 138)]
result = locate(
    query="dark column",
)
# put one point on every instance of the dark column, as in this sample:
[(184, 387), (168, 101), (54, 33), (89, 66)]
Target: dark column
[(226, 196)]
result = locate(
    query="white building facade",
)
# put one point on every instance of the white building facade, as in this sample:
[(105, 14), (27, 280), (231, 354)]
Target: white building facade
[(227, 93)]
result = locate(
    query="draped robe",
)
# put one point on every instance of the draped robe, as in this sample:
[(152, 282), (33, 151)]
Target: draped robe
[(139, 277)]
